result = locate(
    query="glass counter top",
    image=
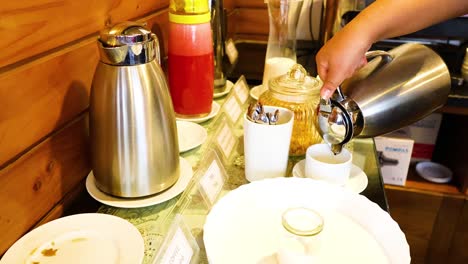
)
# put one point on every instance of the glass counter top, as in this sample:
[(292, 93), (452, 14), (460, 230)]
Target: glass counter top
[(218, 167)]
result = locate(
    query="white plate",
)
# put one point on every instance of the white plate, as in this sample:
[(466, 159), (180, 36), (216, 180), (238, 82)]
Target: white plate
[(80, 238), (190, 135), (227, 89), (184, 178), (256, 91), (245, 226), (434, 172), (357, 180), (214, 111)]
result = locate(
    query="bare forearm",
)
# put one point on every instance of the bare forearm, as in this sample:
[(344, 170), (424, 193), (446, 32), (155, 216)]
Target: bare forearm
[(343, 54), (391, 18)]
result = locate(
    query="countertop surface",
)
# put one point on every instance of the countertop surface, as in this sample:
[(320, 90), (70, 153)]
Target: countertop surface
[(157, 221)]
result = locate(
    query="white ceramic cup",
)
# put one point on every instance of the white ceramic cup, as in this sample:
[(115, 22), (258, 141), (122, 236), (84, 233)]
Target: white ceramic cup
[(322, 164), (266, 147)]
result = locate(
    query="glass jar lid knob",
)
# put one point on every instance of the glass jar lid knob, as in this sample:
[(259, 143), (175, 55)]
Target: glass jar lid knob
[(297, 73)]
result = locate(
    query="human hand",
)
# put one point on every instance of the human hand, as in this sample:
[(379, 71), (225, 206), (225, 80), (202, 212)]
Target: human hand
[(339, 58)]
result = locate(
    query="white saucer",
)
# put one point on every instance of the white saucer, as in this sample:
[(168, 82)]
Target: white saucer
[(214, 111), (186, 174), (434, 172), (80, 238), (226, 90), (357, 180), (256, 91), (190, 135)]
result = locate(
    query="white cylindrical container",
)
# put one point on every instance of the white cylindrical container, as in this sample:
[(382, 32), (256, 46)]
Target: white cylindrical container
[(266, 147)]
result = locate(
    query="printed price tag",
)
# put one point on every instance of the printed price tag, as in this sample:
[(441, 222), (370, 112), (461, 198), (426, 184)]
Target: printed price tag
[(232, 108), (231, 51), (226, 140), (179, 249), (241, 89), (212, 182)]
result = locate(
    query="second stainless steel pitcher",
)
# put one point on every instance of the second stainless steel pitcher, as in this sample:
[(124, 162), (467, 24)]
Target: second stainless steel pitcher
[(393, 90), (132, 124)]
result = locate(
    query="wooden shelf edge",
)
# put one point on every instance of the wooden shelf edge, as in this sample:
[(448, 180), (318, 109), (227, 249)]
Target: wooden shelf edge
[(415, 183), (457, 110), (429, 188)]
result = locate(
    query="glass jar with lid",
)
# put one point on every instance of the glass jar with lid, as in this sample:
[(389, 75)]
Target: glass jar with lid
[(300, 93)]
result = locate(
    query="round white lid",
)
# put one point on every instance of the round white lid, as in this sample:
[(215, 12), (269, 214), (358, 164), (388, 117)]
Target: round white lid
[(434, 172)]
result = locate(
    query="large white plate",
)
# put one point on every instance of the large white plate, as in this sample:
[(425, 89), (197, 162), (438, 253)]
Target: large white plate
[(186, 174), (81, 238), (227, 89), (357, 180), (214, 111), (190, 135), (245, 225)]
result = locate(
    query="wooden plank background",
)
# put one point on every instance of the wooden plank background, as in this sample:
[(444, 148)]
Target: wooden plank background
[(47, 60), (32, 27), (246, 17)]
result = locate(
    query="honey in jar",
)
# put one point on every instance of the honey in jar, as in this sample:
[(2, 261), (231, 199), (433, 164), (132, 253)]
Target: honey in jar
[(300, 93)]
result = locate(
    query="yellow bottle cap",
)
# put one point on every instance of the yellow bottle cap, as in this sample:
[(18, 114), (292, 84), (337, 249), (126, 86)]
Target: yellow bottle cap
[(190, 19), (189, 11)]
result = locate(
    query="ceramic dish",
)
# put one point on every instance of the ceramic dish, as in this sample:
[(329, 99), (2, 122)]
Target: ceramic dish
[(81, 238), (227, 89), (256, 91), (214, 111), (357, 180), (190, 135), (245, 225), (184, 179), (434, 172)]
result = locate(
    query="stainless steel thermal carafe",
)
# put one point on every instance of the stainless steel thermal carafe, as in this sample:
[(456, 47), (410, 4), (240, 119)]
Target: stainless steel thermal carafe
[(393, 90), (132, 123)]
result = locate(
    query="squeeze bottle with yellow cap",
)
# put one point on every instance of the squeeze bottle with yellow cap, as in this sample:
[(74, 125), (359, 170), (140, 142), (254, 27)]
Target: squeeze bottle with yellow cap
[(191, 63)]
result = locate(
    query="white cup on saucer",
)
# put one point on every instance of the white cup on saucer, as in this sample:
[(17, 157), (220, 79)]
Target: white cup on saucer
[(322, 164)]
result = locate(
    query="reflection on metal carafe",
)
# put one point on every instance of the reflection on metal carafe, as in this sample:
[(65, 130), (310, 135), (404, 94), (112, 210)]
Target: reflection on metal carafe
[(132, 124), (393, 90)]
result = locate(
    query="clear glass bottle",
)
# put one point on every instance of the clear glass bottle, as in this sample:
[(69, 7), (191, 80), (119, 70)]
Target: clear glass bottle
[(217, 25), (300, 93), (281, 49), (190, 57)]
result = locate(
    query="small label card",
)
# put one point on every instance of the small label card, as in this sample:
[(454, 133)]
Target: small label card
[(241, 89), (231, 51), (232, 108), (226, 139), (212, 182), (179, 246), (179, 249)]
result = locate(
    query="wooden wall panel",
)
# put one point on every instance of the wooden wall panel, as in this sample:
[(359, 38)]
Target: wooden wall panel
[(246, 17), (444, 229), (37, 181), (458, 251), (229, 5), (31, 27), (44, 133), (250, 4), (41, 96), (416, 213)]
